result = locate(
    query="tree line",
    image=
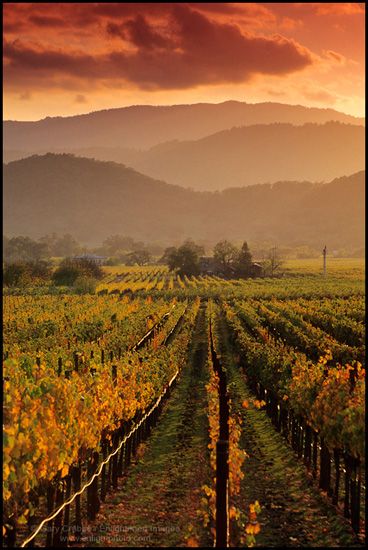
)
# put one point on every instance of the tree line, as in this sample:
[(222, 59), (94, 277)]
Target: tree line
[(117, 249), (26, 260), (229, 261)]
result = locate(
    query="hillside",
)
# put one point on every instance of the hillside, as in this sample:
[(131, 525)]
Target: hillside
[(257, 154), (93, 200), (143, 126), (247, 155)]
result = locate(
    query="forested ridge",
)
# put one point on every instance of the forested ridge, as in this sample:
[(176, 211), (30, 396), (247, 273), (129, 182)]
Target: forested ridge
[(95, 199)]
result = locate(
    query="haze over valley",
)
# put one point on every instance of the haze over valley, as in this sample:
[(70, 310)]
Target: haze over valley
[(94, 199), (269, 172)]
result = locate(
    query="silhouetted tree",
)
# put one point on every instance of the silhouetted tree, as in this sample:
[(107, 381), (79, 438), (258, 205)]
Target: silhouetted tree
[(67, 245), (184, 260), (16, 274), (140, 257), (25, 249), (69, 270), (272, 263), (243, 262), (168, 251), (225, 254), (117, 245), (199, 248)]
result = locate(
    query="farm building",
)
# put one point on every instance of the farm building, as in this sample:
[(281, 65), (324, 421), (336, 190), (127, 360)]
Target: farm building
[(208, 266), (256, 270), (98, 260)]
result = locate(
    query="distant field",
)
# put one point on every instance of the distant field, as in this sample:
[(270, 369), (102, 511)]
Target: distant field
[(336, 267)]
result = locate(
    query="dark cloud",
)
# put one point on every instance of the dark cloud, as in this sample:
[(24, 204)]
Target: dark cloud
[(47, 21), (42, 62), (80, 99), (143, 35), (170, 46)]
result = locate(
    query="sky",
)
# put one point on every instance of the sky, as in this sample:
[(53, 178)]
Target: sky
[(65, 59)]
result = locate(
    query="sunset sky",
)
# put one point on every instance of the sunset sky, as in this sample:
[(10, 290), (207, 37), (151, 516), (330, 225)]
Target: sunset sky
[(65, 59)]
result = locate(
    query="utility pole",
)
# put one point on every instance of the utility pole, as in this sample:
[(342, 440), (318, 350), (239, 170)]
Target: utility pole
[(324, 261)]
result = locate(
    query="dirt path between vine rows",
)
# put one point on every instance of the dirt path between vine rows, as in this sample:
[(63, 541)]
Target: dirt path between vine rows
[(157, 501), (294, 512)]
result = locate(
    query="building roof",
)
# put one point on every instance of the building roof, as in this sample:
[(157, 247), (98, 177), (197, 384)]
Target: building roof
[(89, 257)]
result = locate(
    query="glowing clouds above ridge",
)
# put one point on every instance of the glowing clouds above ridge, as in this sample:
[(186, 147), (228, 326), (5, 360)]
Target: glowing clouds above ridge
[(118, 54), (185, 50)]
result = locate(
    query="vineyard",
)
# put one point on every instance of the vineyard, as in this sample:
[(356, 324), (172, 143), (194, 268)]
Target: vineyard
[(87, 381)]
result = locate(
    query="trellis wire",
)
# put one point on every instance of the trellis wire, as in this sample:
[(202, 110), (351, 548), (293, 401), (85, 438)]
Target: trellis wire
[(98, 472)]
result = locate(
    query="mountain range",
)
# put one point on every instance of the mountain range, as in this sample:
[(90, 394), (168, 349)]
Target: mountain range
[(143, 126), (205, 146), (94, 199), (288, 174)]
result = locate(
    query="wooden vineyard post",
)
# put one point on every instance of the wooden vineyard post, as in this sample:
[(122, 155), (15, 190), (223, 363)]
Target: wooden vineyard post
[(222, 457), (293, 429), (76, 362), (325, 469), (50, 494), (78, 517), (68, 490), (222, 516), (347, 486), (103, 473), (121, 455), (92, 495), (355, 483), (278, 415), (301, 434), (128, 446), (307, 446), (115, 460), (324, 261), (335, 499), (57, 530), (109, 466), (114, 375), (89, 499), (314, 455), (284, 422)]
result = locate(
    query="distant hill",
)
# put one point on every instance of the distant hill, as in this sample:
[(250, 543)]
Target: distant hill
[(256, 154), (245, 155), (143, 126), (92, 200)]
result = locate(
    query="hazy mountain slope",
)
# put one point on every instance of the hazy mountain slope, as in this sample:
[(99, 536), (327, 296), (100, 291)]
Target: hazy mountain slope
[(247, 155), (87, 198), (93, 200), (143, 126), (257, 154)]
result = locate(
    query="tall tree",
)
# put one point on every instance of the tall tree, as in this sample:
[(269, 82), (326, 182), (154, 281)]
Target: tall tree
[(117, 245), (67, 245), (243, 262), (272, 263), (184, 260), (139, 257), (225, 254), (25, 249)]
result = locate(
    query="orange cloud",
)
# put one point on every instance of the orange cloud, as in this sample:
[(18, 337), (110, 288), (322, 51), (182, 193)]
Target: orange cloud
[(122, 53), (338, 8), (335, 57), (177, 48)]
